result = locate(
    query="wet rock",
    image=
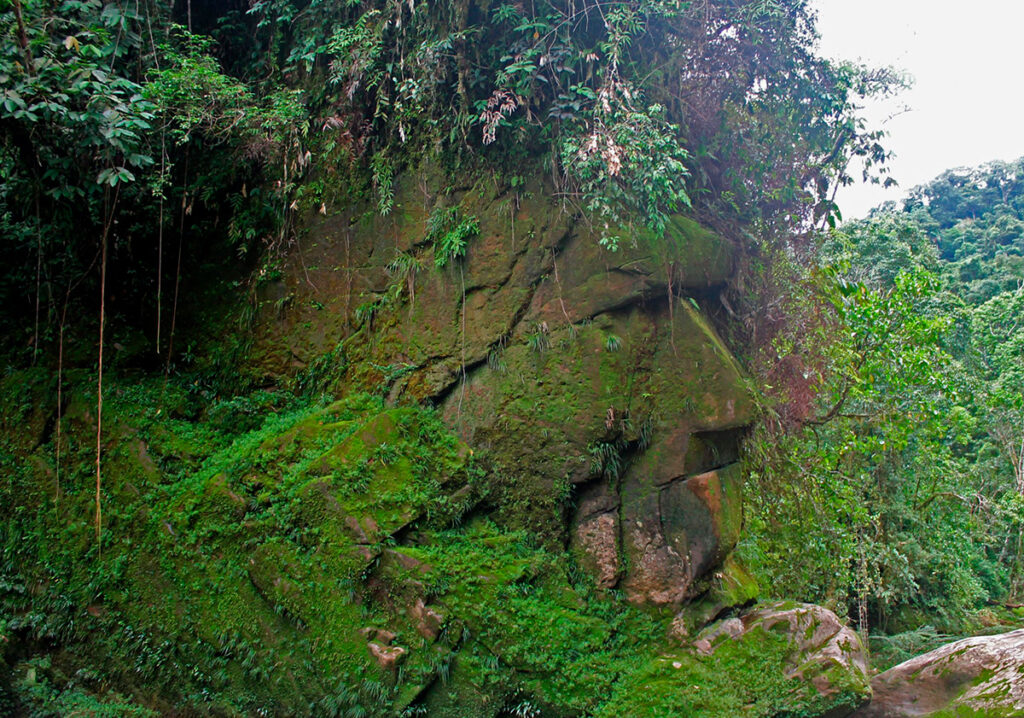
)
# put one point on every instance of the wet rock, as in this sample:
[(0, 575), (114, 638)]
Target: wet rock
[(981, 676), (377, 635), (406, 562), (592, 280), (560, 362), (379, 644), (675, 534), (670, 534), (659, 572), (729, 628), (728, 587)]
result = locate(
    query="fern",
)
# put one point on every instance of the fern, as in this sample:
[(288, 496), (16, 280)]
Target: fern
[(450, 233), (383, 182)]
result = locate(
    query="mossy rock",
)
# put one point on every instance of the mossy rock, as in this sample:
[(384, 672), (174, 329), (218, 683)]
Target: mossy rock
[(562, 364), (257, 570), (729, 587), (977, 677), (820, 669)]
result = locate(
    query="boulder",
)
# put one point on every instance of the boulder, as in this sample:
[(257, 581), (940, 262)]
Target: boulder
[(729, 587), (824, 658), (980, 676)]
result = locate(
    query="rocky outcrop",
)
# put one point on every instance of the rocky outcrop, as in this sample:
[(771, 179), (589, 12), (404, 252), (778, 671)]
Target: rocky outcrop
[(638, 433), (584, 378), (412, 545), (824, 658), (781, 659), (604, 407), (378, 643), (981, 676)]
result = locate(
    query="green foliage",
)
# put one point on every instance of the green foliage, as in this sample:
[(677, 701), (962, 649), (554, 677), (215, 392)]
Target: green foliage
[(365, 312), (449, 232), (607, 459), (629, 164), (888, 651), (892, 459), (596, 90), (383, 181), (539, 340), (217, 528), (66, 85), (550, 648), (741, 678), (74, 138), (973, 218), (49, 701), (230, 559), (231, 578), (197, 98), (121, 113), (323, 372)]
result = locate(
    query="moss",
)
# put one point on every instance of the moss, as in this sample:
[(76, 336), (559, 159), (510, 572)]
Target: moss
[(730, 586), (970, 712), (739, 679), (252, 565), (743, 677), (535, 415), (240, 583), (532, 631), (39, 684)]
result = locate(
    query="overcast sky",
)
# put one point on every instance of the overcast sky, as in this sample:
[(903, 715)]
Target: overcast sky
[(967, 103)]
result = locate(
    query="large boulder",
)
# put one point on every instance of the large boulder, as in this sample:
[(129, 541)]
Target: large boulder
[(785, 660), (980, 676), (591, 383), (824, 659)]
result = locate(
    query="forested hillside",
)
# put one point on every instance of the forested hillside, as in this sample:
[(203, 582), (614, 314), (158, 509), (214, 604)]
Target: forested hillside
[(907, 468), (486, 359)]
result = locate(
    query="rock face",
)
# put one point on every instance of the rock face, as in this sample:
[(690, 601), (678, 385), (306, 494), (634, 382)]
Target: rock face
[(584, 378), (982, 676), (404, 549), (606, 411), (825, 659)]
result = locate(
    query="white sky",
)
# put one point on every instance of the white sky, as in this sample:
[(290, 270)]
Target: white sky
[(967, 103)]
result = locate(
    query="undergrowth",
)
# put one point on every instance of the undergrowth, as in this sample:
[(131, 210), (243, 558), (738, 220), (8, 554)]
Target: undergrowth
[(258, 546)]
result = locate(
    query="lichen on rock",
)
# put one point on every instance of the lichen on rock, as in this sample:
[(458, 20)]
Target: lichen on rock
[(979, 676)]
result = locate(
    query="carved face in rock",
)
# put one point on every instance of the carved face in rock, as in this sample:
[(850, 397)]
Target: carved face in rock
[(639, 410), (608, 412), (626, 398)]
